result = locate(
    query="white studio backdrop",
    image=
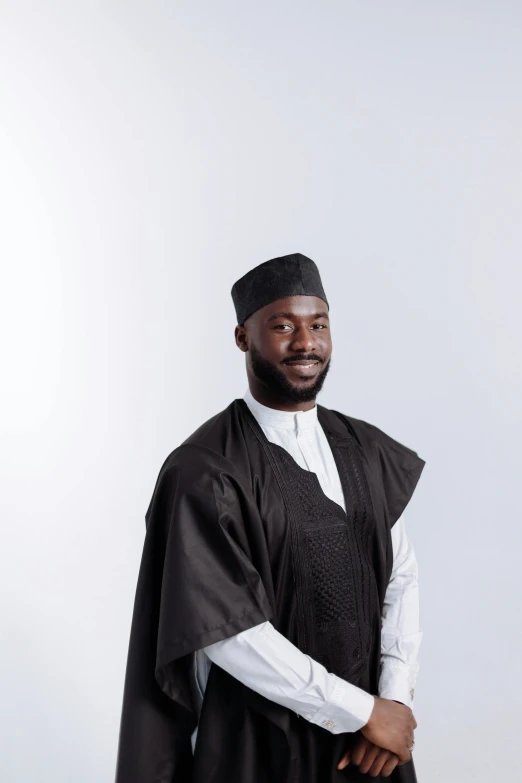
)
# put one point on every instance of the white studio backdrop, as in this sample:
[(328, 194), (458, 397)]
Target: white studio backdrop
[(150, 154)]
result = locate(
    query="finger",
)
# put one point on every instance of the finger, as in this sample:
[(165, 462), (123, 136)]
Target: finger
[(389, 765), (414, 723), (359, 751), (378, 763), (344, 761), (369, 757), (404, 756)]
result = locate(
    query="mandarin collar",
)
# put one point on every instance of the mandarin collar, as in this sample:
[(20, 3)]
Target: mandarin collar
[(283, 420)]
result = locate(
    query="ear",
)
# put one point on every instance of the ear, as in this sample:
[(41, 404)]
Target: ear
[(241, 338)]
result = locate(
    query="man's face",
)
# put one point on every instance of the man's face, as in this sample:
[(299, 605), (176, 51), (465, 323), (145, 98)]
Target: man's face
[(289, 347)]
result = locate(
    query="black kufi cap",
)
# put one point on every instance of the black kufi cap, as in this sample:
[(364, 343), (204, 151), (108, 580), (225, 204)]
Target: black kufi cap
[(292, 275)]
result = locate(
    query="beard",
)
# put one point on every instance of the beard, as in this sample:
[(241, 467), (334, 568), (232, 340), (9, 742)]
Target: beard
[(279, 385)]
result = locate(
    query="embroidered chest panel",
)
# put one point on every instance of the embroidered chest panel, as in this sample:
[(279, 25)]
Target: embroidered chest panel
[(336, 593)]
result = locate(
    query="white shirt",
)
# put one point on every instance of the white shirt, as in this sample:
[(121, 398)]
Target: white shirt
[(266, 661)]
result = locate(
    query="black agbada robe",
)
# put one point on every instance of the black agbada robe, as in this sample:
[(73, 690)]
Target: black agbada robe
[(238, 533)]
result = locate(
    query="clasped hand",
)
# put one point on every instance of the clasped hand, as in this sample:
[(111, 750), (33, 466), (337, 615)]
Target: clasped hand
[(384, 741), (370, 758)]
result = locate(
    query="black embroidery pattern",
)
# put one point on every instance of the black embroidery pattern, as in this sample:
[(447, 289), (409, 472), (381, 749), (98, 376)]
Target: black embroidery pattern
[(330, 562), (333, 567)]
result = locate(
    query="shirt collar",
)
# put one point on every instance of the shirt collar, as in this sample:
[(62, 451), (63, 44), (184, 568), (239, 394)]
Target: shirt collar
[(283, 420)]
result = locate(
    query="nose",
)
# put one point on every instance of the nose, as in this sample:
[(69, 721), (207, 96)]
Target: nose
[(303, 340)]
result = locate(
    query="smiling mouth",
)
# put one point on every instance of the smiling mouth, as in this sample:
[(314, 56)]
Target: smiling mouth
[(302, 364), (304, 368)]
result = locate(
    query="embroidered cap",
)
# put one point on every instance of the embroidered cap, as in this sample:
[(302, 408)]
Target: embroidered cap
[(291, 275)]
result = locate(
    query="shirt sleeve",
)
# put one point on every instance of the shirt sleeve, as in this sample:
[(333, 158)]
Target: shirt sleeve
[(266, 661), (401, 634)]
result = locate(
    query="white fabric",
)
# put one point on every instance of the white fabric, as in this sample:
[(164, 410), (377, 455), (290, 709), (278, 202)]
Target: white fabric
[(266, 661)]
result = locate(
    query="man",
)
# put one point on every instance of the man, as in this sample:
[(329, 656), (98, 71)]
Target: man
[(275, 628)]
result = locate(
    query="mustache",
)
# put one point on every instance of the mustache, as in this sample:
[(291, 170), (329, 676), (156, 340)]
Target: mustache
[(300, 358)]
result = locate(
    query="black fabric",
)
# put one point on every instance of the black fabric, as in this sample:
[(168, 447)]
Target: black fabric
[(228, 545), (336, 592), (290, 275)]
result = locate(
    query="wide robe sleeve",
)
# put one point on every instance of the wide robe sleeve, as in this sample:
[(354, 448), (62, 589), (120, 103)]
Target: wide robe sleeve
[(204, 576), (211, 588), (399, 467), (394, 467)]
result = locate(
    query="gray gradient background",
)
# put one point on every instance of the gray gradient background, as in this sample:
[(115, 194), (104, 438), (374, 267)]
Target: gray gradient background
[(153, 152)]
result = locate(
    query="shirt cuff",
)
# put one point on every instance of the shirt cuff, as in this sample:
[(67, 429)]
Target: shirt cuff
[(397, 682), (348, 708)]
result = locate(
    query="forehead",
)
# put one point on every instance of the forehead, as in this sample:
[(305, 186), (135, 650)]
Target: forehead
[(299, 306)]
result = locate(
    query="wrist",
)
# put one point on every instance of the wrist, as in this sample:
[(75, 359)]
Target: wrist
[(369, 722)]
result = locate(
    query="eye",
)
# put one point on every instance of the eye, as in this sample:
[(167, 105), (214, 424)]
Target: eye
[(282, 326), (323, 326)]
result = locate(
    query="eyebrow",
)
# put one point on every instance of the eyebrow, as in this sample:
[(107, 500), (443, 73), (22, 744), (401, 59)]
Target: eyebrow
[(293, 315)]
